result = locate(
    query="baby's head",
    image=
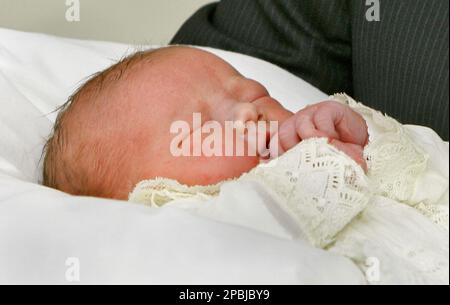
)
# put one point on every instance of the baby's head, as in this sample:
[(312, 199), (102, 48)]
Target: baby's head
[(115, 131)]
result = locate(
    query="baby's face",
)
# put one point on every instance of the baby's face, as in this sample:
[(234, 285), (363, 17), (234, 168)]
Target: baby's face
[(128, 127), (176, 83)]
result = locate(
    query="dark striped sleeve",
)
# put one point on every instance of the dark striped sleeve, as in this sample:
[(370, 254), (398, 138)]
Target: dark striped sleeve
[(400, 64), (309, 38)]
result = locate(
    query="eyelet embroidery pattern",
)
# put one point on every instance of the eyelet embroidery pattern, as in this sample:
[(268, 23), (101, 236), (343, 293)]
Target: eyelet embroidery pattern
[(160, 191), (437, 214), (319, 186), (395, 163)]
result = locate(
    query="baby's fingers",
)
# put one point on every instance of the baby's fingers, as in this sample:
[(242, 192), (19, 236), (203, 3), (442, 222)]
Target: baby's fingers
[(306, 128), (356, 152), (295, 129), (352, 128), (285, 138)]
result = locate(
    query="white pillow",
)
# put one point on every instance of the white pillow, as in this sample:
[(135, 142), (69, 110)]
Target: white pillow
[(115, 242)]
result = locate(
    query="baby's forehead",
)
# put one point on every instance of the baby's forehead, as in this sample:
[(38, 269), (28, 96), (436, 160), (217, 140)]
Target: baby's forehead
[(157, 66), (189, 60), (178, 71), (156, 80)]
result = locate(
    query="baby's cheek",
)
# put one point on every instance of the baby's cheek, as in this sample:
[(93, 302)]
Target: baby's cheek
[(208, 170), (224, 160), (236, 166), (221, 160), (213, 170)]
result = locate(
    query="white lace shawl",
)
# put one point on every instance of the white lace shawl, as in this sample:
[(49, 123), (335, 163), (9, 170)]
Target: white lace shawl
[(332, 200)]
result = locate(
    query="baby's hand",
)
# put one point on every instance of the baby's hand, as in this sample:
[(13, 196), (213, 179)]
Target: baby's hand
[(345, 129)]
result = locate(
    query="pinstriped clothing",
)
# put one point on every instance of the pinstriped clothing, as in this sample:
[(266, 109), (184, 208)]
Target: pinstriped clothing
[(398, 65)]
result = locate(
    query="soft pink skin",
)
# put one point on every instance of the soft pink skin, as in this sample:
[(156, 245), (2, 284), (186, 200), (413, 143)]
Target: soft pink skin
[(179, 81), (344, 128)]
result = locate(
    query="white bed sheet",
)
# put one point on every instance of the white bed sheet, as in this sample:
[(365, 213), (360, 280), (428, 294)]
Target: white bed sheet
[(117, 242)]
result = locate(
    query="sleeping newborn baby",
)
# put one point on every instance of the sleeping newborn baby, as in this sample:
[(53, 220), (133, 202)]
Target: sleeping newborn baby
[(116, 129), (133, 132)]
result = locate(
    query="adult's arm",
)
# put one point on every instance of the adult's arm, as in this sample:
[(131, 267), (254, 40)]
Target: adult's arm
[(400, 64)]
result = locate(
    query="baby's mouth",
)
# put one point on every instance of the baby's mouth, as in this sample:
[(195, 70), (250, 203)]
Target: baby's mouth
[(259, 141), (266, 149)]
